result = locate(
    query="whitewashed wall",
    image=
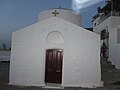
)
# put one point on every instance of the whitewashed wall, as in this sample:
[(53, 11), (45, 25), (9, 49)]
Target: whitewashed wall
[(81, 58), (64, 14), (114, 47), (99, 27)]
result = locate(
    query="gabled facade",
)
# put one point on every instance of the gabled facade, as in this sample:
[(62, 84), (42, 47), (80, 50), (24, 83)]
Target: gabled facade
[(55, 50)]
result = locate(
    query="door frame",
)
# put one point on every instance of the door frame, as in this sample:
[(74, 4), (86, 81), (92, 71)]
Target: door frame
[(58, 49)]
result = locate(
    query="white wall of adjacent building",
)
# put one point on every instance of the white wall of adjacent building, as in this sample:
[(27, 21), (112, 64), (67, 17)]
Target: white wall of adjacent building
[(114, 46), (110, 24)]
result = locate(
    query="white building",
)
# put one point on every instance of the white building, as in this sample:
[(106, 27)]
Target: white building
[(110, 24), (56, 50)]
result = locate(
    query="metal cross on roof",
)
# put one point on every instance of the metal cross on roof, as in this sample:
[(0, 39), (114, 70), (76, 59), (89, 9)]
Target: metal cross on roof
[(55, 13)]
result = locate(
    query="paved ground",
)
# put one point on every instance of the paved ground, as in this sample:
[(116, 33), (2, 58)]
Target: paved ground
[(4, 72)]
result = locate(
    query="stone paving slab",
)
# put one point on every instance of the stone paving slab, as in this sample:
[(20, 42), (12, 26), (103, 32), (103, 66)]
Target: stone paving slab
[(4, 67)]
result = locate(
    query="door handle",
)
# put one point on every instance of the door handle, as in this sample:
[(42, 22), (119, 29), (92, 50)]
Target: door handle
[(49, 69), (57, 70)]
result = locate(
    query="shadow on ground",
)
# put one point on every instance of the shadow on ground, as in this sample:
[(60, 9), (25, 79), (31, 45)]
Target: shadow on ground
[(4, 77)]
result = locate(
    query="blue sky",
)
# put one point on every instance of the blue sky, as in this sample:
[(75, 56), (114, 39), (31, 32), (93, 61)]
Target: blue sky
[(16, 14)]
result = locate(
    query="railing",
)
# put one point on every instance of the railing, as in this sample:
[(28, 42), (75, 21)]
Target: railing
[(115, 13), (104, 17)]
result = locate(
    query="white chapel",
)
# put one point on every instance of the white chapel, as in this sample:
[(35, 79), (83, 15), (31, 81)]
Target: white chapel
[(57, 50)]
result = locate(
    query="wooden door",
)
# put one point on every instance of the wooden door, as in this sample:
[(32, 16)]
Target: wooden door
[(53, 71)]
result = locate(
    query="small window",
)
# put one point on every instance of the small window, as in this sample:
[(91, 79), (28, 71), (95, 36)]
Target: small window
[(103, 34), (94, 24), (118, 35)]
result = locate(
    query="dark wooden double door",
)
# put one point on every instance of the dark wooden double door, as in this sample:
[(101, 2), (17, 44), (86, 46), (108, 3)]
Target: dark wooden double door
[(53, 70)]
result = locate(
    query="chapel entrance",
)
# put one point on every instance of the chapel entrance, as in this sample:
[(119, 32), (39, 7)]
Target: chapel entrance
[(53, 70)]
